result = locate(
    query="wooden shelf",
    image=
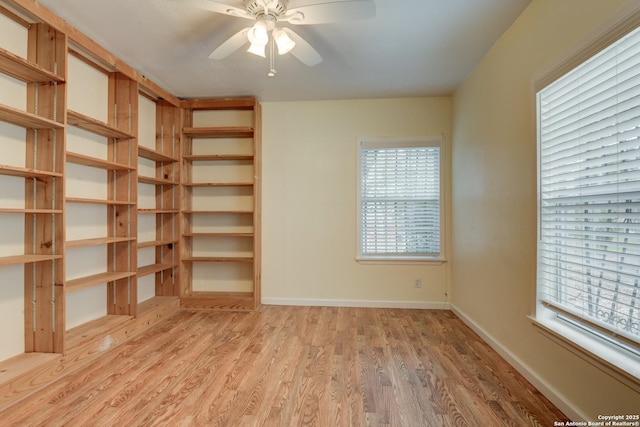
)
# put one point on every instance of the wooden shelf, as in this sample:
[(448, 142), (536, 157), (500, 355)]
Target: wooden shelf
[(23, 70), (156, 243), (218, 211), (95, 126), (218, 259), (26, 172), (219, 300), (26, 259), (239, 103), (219, 234), (158, 211), (25, 119), (153, 268), (154, 303), (97, 201), (81, 159), (156, 181), (212, 157), (219, 132), (97, 241), (96, 279), (156, 156), (218, 184), (30, 211)]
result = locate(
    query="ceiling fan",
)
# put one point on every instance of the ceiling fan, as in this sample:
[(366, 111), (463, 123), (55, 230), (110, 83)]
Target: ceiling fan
[(268, 13)]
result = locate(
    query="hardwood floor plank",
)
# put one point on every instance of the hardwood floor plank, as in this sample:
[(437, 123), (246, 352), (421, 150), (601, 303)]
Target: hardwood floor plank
[(284, 366)]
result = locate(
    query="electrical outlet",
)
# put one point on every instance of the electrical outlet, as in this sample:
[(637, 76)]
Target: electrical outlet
[(417, 282)]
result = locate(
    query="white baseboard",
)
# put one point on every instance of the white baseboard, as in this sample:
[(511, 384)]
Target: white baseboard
[(525, 370), (436, 305)]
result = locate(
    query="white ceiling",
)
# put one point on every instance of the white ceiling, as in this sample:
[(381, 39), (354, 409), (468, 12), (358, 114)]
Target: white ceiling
[(411, 47)]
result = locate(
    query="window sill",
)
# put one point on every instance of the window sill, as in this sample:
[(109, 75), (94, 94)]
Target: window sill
[(382, 260), (623, 366)]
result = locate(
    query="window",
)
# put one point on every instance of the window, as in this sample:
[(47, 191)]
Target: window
[(399, 199), (589, 198)]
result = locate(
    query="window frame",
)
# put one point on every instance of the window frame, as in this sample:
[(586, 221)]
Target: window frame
[(592, 346), (391, 142)]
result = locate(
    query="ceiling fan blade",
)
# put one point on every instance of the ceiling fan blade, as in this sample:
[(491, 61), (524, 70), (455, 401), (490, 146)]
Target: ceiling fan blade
[(303, 51), (215, 6), (232, 44), (335, 11)]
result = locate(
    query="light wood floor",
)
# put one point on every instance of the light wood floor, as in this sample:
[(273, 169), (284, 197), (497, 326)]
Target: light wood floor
[(294, 366)]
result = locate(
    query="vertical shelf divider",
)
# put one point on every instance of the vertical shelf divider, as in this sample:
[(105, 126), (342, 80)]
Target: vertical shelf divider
[(122, 186), (168, 198), (44, 232)]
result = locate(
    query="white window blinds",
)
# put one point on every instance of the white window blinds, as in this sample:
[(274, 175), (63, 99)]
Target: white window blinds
[(589, 218), (400, 198)]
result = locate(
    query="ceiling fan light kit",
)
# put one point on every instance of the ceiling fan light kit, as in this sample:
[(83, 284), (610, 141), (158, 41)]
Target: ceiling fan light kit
[(259, 34), (283, 41), (267, 13), (258, 50)]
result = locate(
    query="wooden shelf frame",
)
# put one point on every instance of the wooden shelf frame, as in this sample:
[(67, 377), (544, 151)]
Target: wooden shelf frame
[(25, 70), (218, 234), (26, 119), (97, 241), (218, 184), (241, 103), (31, 211), (98, 127), (26, 259), (44, 70), (158, 211), (156, 181), (27, 172), (98, 201), (249, 216), (155, 155), (46, 118), (155, 243), (81, 159), (238, 259), (97, 279), (219, 132), (165, 154), (221, 211), (215, 157), (154, 268), (122, 188)]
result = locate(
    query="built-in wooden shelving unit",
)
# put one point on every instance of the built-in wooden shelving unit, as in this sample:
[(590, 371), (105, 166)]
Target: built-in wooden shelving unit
[(120, 165), (221, 203), (82, 169), (44, 72), (163, 154)]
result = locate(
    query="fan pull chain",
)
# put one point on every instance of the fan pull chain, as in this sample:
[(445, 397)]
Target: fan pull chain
[(272, 60)]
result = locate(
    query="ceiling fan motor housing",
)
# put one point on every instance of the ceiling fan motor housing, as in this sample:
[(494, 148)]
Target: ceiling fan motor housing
[(272, 8)]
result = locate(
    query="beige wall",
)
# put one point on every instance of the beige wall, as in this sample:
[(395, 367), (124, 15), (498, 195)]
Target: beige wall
[(309, 202), (494, 200)]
